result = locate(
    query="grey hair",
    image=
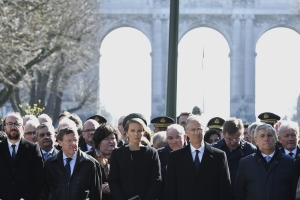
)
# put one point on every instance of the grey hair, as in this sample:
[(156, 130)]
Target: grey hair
[(31, 122), (46, 117), (194, 118), (176, 127), (160, 136), (265, 127), (66, 122), (253, 126), (48, 125), (289, 125)]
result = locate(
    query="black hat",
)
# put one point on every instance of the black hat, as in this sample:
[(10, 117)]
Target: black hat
[(100, 119), (134, 115), (216, 123), (162, 121), (268, 118)]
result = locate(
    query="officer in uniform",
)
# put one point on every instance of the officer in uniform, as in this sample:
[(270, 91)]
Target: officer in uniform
[(161, 123), (216, 123)]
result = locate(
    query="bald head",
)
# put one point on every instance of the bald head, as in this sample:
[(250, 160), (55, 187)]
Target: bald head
[(89, 128)]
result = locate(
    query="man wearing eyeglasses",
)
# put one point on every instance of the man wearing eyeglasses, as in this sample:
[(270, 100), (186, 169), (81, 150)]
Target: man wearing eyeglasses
[(21, 161), (234, 146), (175, 140), (89, 128), (46, 140), (30, 130)]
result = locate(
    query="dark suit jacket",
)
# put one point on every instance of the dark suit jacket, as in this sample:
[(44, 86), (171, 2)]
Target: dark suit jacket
[(210, 181), (233, 158), (163, 154), (125, 183), (22, 177)]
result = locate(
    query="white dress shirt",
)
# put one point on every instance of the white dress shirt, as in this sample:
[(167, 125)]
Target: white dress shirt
[(50, 153), (201, 152), (72, 162), (11, 149)]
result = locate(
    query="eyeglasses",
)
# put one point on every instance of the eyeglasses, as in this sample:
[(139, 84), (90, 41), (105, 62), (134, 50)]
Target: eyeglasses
[(232, 140), (174, 139), (89, 130), (293, 136), (30, 133), (10, 124), (48, 134)]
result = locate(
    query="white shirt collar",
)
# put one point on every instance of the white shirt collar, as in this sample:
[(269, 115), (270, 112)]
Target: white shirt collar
[(287, 152), (9, 143), (48, 151), (193, 149), (88, 147), (271, 155), (73, 157)]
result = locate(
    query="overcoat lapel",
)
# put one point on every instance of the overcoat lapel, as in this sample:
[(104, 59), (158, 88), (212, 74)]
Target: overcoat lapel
[(5, 152), (188, 160), (23, 146), (206, 159)]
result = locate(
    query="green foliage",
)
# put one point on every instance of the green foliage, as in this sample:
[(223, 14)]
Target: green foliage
[(34, 109)]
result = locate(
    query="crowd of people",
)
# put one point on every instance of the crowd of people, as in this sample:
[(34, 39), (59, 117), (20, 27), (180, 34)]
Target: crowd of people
[(179, 159)]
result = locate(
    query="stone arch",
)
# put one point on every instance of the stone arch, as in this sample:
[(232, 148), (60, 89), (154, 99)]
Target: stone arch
[(109, 27), (213, 26), (274, 25)]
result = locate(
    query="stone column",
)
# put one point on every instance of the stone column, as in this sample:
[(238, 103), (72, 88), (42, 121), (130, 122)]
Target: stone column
[(236, 66), (98, 105), (250, 55), (158, 72)]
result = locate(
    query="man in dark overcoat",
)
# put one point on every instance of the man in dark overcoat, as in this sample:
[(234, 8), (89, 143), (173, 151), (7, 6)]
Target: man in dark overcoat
[(21, 161), (197, 171)]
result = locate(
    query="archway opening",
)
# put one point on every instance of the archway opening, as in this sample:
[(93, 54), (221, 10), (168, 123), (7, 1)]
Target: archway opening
[(204, 73), (277, 72), (125, 73)]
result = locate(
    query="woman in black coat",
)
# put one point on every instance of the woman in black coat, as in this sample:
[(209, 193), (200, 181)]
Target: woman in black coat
[(105, 138), (135, 169)]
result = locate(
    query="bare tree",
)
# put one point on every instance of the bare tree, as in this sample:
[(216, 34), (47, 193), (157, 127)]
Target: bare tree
[(43, 44)]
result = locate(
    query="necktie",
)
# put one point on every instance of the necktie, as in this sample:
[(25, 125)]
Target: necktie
[(197, 161), (291, 154), (13, 155), (267, 158), (68, 168)]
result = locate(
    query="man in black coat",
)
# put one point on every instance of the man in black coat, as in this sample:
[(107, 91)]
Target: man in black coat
[(21, 165), (234, 147), (175, 140), (267, 174), (71, 174), (197, 171)]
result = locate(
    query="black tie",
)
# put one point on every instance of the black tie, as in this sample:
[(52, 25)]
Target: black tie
[(197, 161), (13, 155), (291, 154), (68, 168)]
